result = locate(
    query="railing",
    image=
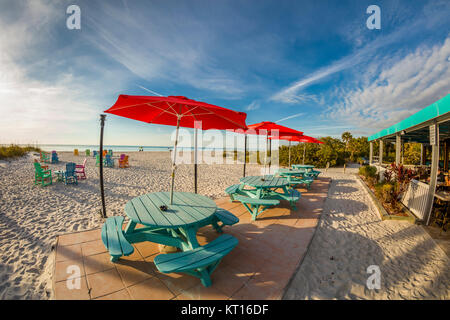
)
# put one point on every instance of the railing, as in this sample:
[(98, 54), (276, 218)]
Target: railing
[(415, 198), (380, 170)]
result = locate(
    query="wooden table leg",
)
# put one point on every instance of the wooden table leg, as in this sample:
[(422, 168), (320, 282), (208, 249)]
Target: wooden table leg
[(191, 237)]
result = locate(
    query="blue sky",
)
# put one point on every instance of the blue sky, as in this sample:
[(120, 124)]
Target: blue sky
[(313, 65)]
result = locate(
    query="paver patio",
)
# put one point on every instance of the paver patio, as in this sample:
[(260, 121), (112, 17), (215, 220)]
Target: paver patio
[(260, 267)]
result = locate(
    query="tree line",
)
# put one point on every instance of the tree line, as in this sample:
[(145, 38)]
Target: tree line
[(339, 151)]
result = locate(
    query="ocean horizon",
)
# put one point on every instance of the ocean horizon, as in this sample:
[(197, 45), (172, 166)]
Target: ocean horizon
[(116, 148)]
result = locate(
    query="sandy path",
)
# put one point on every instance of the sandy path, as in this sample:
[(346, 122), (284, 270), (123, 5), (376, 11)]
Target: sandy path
[(350, 237), (32, 216)]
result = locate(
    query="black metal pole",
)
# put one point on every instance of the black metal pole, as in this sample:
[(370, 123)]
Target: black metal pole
[(102, 191), (245, 152), (270, 153), (195, 159)]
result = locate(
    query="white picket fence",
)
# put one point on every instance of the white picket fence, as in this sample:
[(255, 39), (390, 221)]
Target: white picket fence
[(415, 198)]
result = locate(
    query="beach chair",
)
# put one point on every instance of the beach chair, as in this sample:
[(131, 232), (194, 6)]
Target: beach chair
[(41, 176), (80, 170), (88, 152), (94, 153), (110, 152), (70, 176), (97, 160), (105, 152), (123, 163), (55, 158), (109, 161), (75, 152), (45, 157)]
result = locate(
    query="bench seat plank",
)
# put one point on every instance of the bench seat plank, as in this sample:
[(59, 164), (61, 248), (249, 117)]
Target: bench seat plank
[(199, 262), (232, 189), (226, 217), (114, 239), (256, 201)]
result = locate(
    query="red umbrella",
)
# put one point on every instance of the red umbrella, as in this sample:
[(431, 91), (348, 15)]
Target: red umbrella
[(303, 138), (177, 111), (263, 128)]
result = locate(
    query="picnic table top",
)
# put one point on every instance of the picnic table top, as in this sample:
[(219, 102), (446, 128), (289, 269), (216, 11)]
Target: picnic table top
[(289, 172), (307, 166), (269, 181), (187, 209)]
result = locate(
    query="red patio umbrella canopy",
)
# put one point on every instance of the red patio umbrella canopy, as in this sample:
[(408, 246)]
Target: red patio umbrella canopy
[(167, 111), (302, 138), (177, 111), (263, 128)]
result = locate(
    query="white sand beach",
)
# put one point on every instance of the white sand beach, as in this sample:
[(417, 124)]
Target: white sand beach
[(32, 216), (349, 238)]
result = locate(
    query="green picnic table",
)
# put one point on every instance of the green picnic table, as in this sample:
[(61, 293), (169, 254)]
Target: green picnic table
[(308, 169), (295, 177), (265, 192), (177, 226), (174, 225)]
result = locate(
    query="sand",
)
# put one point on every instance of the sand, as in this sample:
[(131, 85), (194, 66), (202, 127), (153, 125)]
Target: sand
[(350, 237), (32, 216)]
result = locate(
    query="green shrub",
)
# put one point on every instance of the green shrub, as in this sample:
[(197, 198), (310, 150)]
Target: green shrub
[(368, 171), (387, 192), (14, 151)]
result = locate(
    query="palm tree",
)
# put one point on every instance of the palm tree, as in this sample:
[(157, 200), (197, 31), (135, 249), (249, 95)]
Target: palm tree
[(347, 137)]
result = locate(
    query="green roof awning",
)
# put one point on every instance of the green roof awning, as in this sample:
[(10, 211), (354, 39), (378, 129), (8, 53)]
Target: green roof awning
[(439, 108)]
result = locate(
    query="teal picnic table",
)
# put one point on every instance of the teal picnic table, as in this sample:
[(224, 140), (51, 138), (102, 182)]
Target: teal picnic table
[(308, 169), (265, 191), (175, 226), (295, 177)]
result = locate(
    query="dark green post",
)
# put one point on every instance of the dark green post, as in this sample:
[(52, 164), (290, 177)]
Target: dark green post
[(102, 191)]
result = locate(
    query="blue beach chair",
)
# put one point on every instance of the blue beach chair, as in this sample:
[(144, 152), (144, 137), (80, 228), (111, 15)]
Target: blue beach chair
[(70, 176), (109, 161), (55, 158)]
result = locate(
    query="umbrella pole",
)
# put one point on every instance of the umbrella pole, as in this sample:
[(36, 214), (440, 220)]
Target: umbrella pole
[(174, 160), (195, 159), (289, 154), (265, 160), (102, 190), (270, 153), (245, 152), (304, 152)]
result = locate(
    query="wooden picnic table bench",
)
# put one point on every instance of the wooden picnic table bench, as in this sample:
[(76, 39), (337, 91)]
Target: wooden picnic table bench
[(173, 225), (295, 177), (265, 193), (199, 262)]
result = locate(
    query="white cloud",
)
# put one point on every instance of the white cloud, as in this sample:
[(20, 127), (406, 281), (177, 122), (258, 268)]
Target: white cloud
[(155, 46), (291, 117), (253, 106), (402, 87), (34, 109), (434, 15)]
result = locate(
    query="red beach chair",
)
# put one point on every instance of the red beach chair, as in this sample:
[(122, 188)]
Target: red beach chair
[(80, 170)]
